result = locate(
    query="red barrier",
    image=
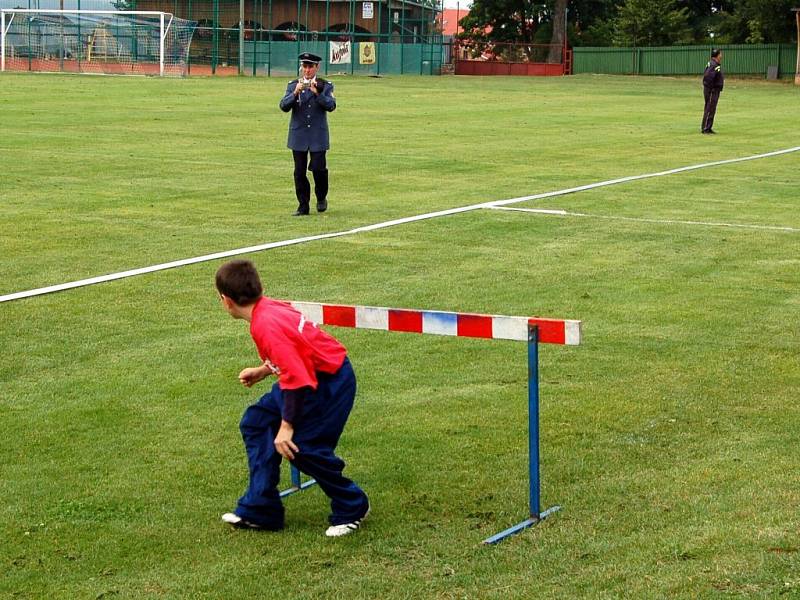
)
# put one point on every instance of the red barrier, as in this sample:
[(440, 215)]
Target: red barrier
[(525, 60), (483, 67)]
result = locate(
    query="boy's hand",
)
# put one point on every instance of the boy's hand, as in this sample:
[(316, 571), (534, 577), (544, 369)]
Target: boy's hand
[(252, 375), (283, 441)]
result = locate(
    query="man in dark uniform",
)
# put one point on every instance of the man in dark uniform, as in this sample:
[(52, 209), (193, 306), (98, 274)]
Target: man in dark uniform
[(713, 81), (309, 98)]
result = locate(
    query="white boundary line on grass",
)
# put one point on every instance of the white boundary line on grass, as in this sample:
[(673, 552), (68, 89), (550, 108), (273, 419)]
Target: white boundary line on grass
[(564, 213), (442, 213)]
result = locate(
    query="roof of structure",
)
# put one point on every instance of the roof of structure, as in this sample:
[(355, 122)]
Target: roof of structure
[(450, 18)]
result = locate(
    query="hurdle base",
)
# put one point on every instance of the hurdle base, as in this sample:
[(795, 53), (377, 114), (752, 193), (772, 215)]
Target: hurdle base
[(297, 484), (498, 537), (298, 488)]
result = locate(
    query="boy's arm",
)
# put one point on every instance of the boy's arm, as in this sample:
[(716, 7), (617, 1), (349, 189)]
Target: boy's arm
[(252, 375), (283, 441), (293, 403)]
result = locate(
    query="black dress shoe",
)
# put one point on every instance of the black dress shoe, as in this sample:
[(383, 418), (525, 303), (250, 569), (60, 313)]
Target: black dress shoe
[(299, 213), (322, 205), (711, 131)]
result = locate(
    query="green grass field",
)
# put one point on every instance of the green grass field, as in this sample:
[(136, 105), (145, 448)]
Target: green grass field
[(669, 437)]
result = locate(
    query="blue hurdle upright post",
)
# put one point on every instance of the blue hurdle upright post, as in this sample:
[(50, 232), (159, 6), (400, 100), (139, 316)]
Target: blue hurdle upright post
[(297, 484), (533, 444)]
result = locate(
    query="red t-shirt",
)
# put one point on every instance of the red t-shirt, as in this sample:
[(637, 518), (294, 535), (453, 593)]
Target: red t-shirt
[(296, 346)]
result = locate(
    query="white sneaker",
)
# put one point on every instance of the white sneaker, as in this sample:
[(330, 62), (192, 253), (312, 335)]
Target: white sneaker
[(238, 522), (345, 528)]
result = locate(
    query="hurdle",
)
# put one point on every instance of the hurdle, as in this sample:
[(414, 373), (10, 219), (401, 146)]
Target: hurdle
[(532, 330)]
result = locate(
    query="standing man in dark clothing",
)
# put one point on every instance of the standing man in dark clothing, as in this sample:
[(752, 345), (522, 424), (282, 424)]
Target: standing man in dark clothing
[(310, 98), (713, 81)]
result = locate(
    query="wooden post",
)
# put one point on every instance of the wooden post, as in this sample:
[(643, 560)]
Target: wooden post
[(797, 68)]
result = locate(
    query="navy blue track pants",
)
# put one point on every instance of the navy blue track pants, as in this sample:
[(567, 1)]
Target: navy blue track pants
[(324, 416)]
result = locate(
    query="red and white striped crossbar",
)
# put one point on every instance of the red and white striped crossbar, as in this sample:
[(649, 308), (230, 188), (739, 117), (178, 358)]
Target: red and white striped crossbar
[(550, 331)]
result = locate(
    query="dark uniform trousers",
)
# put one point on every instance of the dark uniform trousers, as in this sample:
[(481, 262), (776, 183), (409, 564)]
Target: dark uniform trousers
[(711, 96), (302, 186), (713, 82), (324, 416)]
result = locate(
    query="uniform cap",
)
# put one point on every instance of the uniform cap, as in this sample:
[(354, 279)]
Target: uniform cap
[(307, 57)]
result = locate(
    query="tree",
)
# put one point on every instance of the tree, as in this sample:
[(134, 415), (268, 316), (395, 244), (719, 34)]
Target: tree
[(520, 21), (705, 17), (757, 22), (591, 22), (652, 23), (631, 23), (559, 22), (502, 21)]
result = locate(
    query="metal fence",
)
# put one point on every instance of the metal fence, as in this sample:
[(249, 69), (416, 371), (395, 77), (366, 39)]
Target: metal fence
[(370, 37), (366, 58), (377, 37), (739, 59), (490, 58)]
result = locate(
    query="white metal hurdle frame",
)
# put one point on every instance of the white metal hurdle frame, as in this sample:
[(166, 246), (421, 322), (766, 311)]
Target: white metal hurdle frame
[(162, 31), (533, 330)]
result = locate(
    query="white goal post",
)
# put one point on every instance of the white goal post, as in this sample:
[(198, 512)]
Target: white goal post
[(94, 41)]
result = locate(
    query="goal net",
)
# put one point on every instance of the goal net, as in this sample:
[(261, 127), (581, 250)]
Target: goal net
[(86, 41)]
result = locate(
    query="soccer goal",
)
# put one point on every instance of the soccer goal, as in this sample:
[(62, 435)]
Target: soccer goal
[(94, 41)]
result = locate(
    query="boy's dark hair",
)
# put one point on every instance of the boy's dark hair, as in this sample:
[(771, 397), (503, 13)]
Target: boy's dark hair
[(715, 52), (239, 281)]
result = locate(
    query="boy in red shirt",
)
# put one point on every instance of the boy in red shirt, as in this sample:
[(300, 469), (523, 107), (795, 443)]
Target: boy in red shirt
[(303, 415)]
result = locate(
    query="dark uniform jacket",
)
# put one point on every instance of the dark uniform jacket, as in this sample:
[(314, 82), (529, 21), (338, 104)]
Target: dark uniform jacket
[(308, 127), (712, 76)]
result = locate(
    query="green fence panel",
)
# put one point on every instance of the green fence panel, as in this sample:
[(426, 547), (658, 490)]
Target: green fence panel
[(612, 61), (280, 59), (739, 59), (412, 57), (788, 63), (672, 61), (750, 60), (389, 58)]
